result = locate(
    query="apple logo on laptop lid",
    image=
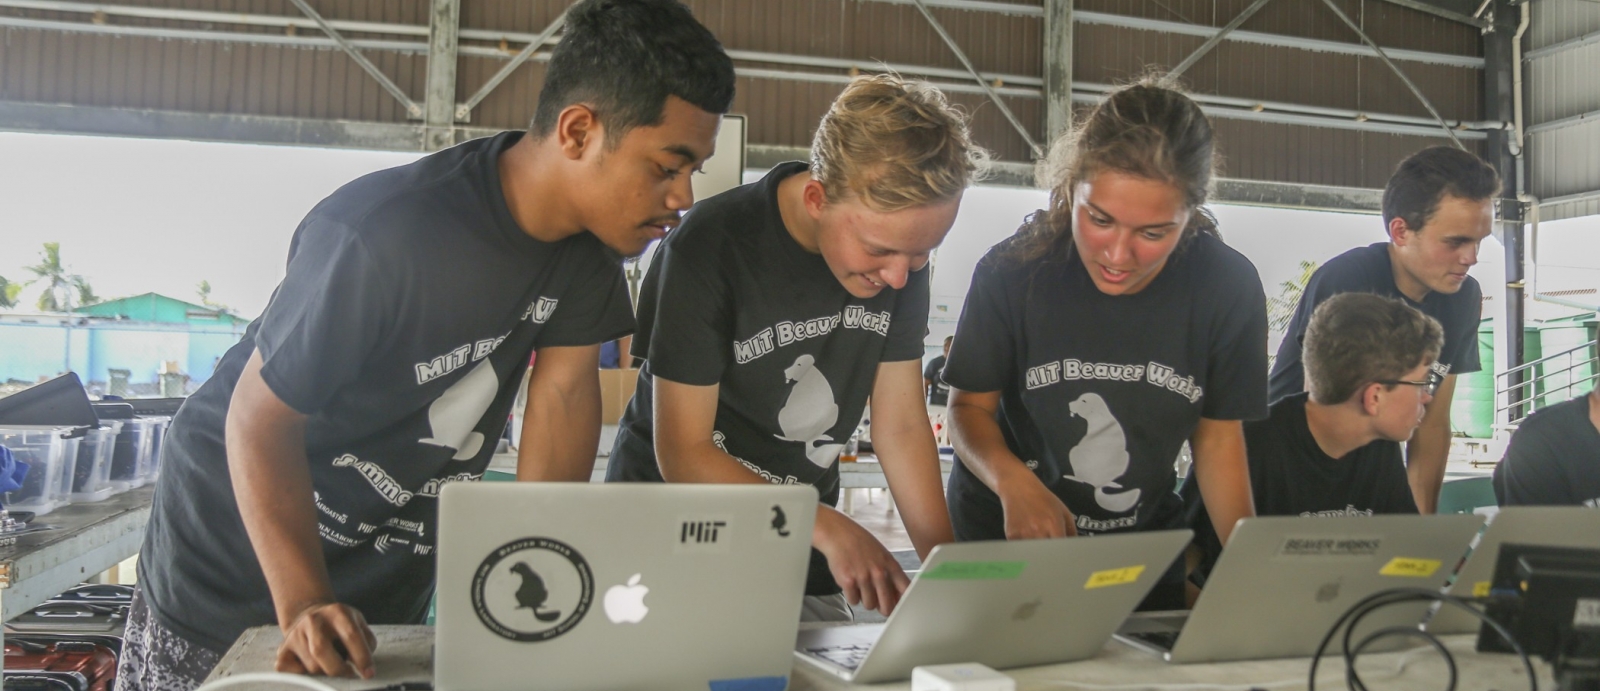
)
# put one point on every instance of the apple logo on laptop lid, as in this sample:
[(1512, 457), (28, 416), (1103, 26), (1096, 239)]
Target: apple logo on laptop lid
[(625, 603), (532, 589)]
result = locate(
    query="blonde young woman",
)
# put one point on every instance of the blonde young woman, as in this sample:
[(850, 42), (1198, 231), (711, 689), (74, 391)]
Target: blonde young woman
[(770, 316), (1112, 328)]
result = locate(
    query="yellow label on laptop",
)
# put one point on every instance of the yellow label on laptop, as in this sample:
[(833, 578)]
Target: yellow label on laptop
[(1480, 589), (975, 571), (1409, 568), (1123, 576)]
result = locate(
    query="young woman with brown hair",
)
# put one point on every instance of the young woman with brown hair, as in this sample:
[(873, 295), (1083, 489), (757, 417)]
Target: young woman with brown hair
[(1112, 328)]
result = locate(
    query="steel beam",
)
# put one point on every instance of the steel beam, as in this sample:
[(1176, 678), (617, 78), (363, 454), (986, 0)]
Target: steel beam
[(1562, 47), (1420, 6), (1180, 68), (412, 108), (1080, 17), (444, 27), (1397, 71), (1563, 123), (257, 129), (463, 112), (1498, 101), (1276, 40), (1057, 69), (978, 77)]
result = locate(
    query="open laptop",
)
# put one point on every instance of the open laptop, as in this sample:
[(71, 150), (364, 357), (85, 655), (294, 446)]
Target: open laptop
[(623, 586), (1550, 526), (1002, 604), (1283, 581)]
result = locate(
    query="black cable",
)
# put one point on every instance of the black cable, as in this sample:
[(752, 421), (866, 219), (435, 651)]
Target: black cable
[(1353, 677), (1397, 596)]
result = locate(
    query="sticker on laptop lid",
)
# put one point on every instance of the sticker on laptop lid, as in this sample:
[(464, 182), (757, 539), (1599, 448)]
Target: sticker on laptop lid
[(532, 589), (975, 571), (1586, 614), (1122, 576), (702, 534), (1480, 589), (1407, 567), (750, 684), (1325, 546)]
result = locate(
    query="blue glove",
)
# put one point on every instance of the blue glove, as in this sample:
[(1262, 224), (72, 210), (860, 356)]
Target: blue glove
[(12, 471)]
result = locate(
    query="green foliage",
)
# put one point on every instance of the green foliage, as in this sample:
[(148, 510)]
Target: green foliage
[(8, 293), (1280, 309), (203, 291), (63, 290)]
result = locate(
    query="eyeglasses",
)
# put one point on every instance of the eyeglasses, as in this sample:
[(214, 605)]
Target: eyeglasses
[(1429, 386)]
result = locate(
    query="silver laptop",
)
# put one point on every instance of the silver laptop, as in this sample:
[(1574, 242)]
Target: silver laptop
[(622, 586), (1554, 526), (1002, 604), (1283, 581)]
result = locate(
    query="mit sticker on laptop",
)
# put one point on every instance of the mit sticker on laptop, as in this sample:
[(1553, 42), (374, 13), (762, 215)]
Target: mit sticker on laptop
[(578, 586)]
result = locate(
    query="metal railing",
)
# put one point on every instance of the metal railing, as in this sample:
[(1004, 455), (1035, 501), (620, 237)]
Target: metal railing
[(1546, 381)]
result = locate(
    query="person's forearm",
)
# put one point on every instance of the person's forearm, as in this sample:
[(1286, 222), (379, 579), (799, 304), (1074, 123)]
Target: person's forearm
[(910, 461), (1223, 471), (272, 484), (560, 434), (982, 447), (1426, 456)]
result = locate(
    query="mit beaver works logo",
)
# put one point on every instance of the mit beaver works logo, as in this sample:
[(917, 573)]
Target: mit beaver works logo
[(533, 589)]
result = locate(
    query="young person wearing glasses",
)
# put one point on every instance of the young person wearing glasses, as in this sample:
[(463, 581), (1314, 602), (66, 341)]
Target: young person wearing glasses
[(1437, 208), (1334, 450)]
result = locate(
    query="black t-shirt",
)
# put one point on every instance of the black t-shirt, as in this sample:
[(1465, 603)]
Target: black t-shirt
[(732, 299), (402, 329), (934, 372), (1367, 270), (1553, 459), (1099, 392), (1290, 475)]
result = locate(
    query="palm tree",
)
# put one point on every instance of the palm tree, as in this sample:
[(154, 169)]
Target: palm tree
[(62, 290), (8, 293), (1280, 309), (203, 289)]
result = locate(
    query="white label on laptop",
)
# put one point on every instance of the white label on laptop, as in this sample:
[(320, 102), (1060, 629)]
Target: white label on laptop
[(1587, 613), (703, 534), (1325, 546)]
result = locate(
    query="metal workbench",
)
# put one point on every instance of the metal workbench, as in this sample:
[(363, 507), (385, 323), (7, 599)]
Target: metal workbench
[(87, 540)]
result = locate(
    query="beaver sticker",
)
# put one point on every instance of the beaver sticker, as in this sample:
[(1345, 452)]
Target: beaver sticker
[(533, 589)]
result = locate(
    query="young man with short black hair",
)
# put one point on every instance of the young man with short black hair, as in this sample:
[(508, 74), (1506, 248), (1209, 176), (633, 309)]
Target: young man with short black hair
[(1333, 450), (299, 484), (1438, 207), (1554, 457)]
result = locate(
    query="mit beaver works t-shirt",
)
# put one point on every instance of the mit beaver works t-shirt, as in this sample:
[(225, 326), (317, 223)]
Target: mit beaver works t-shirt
[(1368, 270), (1099, 392), (1553, 459), (402, 329), (732, 299), (1290, 475)]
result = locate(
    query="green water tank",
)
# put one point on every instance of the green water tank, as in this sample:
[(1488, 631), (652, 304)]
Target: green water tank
[(1561, 383), (1472, 407)]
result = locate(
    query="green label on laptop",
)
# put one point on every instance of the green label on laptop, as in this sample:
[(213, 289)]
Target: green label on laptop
[(975, 571)]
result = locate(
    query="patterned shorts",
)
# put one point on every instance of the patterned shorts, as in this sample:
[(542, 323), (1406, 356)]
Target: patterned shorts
[(156, 659)]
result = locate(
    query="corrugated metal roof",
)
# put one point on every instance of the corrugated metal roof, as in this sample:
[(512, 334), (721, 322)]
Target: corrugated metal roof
[(113, 71), (1563, 144)]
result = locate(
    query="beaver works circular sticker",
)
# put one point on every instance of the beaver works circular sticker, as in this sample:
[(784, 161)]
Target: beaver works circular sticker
[(533, 589)]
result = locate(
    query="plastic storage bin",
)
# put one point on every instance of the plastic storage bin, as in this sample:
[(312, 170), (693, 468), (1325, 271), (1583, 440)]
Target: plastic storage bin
[(130, 456), (158, 435), (90, 478), (47, 451)]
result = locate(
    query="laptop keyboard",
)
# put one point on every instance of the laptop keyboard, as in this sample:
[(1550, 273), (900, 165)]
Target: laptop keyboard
[(1164, 640), (846, 656)]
